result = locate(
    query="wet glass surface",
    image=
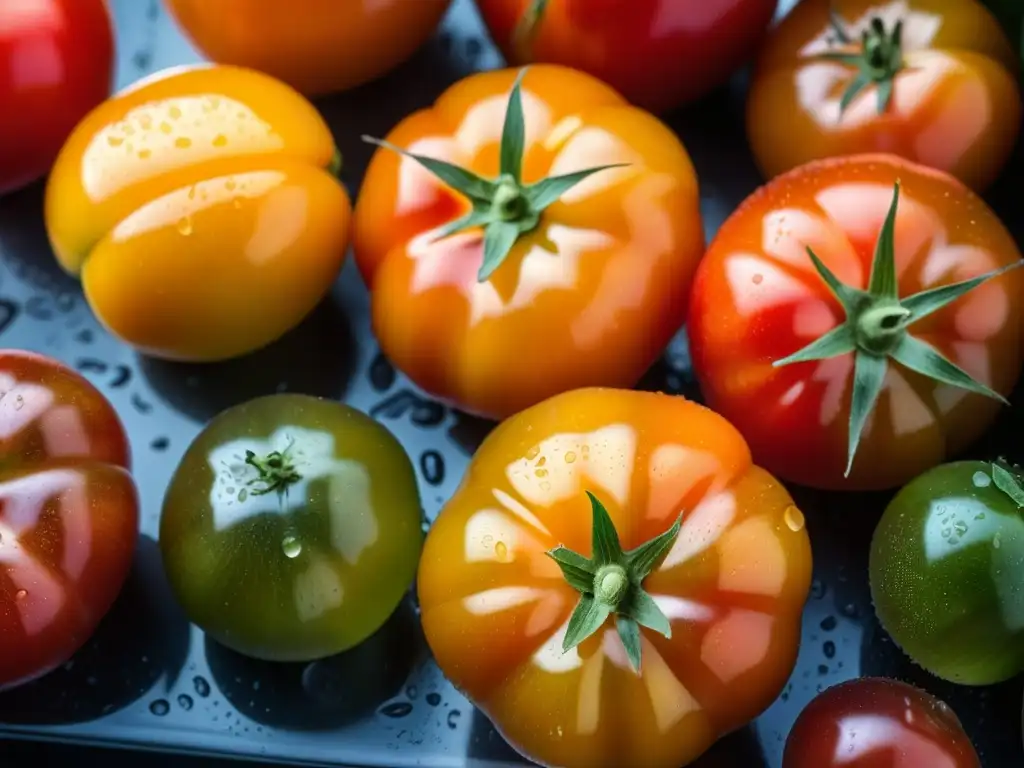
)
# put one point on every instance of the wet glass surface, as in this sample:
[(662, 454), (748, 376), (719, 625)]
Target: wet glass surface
[(149, 678)]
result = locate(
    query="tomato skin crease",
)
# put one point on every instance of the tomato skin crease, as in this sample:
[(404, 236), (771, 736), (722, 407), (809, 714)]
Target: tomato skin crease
[(955, 103), (873, 722), (757, 299), (68, 513), (495, 605)]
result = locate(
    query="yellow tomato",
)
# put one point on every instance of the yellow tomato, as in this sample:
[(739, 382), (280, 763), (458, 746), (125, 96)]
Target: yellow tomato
[(200, 209)]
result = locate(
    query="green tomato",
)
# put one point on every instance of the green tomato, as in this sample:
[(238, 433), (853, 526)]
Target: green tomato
[(291, 528), (947, 572)]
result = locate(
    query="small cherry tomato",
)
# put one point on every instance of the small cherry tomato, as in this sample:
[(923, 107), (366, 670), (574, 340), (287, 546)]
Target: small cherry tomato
[(542, 237), (200, 209), (316, 46), (946, 566), (69, 513), (56, 64), (877, 723), (858, 320), (614, 578), (659, 54), (934, 81), (291, 528)]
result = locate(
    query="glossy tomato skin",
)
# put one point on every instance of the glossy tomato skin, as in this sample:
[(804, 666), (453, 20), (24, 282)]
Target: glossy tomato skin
[(757, 299), (495, 606), (68, 513), (878, 723), (56, 64), (945, 568), (198, 210), (659, 54), (305, 574), (590, 297), (956, 105), (316, 46)]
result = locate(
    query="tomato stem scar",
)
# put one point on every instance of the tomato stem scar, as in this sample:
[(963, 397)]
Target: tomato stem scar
[(611, 581), (275, 471)]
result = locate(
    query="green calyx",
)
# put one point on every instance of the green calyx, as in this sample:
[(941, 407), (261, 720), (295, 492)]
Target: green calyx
[(876, 330), (526, 27), (505, 207), (334, 167), (274, 472), (611, 582), (1008, 480), (878, 59)]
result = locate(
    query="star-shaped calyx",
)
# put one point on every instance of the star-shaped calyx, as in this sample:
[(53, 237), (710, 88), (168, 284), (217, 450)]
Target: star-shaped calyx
[(878, 58), (505, 207), (876, 330), (611, 582)]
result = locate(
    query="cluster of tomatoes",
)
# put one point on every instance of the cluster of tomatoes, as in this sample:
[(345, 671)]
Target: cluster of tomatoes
[(531, 243)]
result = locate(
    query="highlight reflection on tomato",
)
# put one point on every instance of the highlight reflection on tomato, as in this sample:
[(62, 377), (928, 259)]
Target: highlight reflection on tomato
[(764, 322), (934, 81), (708, 609), (878, 723), (68, 513)]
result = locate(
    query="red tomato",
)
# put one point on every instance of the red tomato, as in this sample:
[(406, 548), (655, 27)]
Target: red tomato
[(56, 64), (878, 723), (659, 54), (68, 513), (903, 379)]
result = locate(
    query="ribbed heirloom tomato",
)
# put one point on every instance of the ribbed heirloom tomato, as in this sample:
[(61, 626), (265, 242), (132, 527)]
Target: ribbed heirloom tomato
[(56, 64), (852, 318), (316, 46), (68, 513), (658, 53), (934, 81), (614, 582), (200, 209), (542, 237)]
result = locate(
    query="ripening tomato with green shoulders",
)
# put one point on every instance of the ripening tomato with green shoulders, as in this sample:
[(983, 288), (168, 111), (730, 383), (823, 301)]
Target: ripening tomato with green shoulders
[(859, 320), (934, 81), (528, 234), (615, 582), (659, 54)]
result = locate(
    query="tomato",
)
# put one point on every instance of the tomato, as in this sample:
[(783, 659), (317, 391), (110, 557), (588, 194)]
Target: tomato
[(854, 335), (317, 46), (659, 54), (291, 528), (535, 265), (56, 64), (945, 568), (69, 513), (200, 210), (877, 723), (615, 578), (934, 81)]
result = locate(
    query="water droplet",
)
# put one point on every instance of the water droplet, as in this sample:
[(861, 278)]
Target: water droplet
[(818, 589), (160, 707), (165, 127), (849, 611), (793, 518), (230, 185), (997, 540), (19, 403), (21, 594), (453, 719), (756, 279), (243, 495), (115, 141), (981, 480), (829, 623), (291, 546), (533, 453), (501, 550), (202, 687), (185, 702), (433, 699), (570, 457), (412, 692), (174, 113), (183, 142), (947, 532), (541, 472), (185, 226), (396, 709), (960, 527), (220, 140), (144, 154), (545, 485), (829, 649)]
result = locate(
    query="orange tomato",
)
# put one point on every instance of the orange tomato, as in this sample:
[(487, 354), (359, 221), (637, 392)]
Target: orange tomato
[(198, 209), (317, 46), (587, 291), (934, 81), (714, 628), (758, 299)]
